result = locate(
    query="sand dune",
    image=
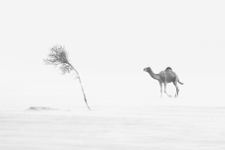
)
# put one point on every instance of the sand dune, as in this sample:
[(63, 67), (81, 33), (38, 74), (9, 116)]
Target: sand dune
[(156, 128)]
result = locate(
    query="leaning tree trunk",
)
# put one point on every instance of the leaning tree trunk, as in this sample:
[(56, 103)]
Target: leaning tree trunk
[(58, 57), (82, 88)]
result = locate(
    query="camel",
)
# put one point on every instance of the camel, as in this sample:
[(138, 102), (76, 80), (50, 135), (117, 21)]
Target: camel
[(164, 77)]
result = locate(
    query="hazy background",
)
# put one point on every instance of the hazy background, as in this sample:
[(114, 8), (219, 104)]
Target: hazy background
[(110, 43)]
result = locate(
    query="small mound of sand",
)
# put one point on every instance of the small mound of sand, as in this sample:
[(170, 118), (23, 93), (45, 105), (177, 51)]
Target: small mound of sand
[(40, 108)]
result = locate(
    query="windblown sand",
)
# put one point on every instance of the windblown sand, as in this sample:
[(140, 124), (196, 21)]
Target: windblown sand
[(154, 128)]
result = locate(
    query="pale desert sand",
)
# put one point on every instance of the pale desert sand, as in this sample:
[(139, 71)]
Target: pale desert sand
[(136, 128)]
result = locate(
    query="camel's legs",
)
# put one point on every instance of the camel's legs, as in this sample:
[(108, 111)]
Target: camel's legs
[(166, 91), (160, 84), (177, 89)]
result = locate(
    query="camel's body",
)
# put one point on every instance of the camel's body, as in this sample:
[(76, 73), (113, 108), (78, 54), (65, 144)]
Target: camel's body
[(164, 77)]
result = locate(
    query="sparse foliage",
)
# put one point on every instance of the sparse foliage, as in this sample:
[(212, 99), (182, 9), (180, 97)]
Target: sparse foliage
[(58, 57)]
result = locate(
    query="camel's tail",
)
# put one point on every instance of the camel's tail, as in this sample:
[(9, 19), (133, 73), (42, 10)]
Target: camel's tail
[(180, 82)]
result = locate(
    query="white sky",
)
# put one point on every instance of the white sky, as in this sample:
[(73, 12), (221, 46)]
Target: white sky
[(110, 43)]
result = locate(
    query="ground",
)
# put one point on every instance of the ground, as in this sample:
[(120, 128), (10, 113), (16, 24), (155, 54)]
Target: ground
[(134, 128)]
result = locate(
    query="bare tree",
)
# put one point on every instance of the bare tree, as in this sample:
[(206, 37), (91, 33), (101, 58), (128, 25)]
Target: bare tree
[(58, 57)]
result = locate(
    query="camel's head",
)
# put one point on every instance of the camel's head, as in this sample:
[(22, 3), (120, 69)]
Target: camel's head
[(147, 69)]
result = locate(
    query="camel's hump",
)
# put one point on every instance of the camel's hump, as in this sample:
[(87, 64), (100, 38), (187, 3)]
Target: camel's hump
[(168, 68)]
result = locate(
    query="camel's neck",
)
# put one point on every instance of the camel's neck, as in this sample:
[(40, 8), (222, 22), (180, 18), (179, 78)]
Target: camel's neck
[(153, 75)]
